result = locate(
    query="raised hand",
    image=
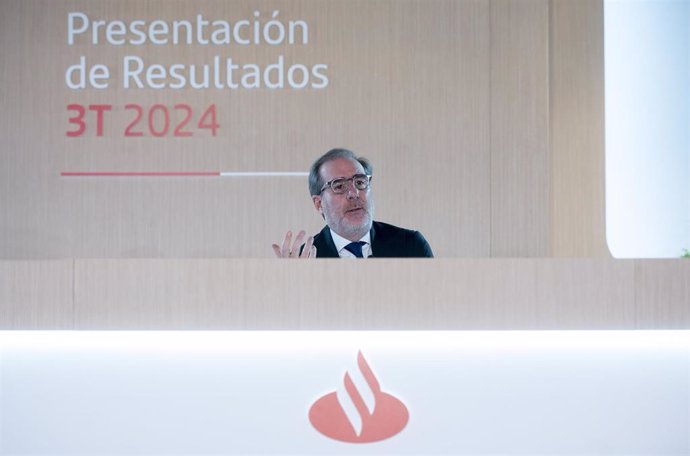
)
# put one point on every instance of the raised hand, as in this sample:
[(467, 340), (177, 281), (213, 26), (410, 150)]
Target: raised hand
[(290, 249)]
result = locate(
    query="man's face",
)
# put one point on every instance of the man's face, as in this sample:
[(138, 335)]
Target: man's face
[(349, 214)]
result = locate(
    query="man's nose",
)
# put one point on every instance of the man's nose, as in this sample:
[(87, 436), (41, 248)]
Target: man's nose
[(352, 191)]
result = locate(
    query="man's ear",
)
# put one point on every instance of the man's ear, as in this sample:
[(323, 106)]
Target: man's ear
[(316, 199)]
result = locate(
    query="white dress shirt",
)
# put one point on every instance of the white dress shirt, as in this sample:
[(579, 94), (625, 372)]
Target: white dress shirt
[(340, 243)]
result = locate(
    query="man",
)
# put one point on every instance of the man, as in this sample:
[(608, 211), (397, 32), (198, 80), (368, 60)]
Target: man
[(340, 188)]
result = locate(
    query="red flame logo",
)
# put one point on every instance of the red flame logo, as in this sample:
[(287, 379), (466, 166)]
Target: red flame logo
[(359, 415)]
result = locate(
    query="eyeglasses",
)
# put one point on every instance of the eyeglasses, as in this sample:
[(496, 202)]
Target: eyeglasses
[(339, 185)]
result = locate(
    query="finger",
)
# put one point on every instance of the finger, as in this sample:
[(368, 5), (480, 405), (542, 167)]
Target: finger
[(298, 242), (306, 252), (276, 250), (286, 244), (313, 252)]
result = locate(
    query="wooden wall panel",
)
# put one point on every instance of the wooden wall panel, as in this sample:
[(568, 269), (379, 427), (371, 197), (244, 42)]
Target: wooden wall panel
[(438, 294), (576, 293), (159, 294), (269, 294), (485, 123), (408, 89), (484, 294), (520, 183), (36, 294), (453, 294), (662, 292), (442, 294), (484, 120), (577, 129)]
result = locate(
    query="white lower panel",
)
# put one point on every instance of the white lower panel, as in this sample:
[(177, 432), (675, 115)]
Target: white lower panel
[(565, 392)]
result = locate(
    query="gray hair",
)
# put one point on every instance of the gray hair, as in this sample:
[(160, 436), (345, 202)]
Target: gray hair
[(315, 182)]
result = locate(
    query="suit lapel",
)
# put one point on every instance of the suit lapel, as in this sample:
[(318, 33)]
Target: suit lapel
[(325, 247), (384, 242), (376, 248)]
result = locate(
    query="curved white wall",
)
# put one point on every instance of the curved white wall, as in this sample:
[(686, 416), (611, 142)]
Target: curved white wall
[(647, 51)]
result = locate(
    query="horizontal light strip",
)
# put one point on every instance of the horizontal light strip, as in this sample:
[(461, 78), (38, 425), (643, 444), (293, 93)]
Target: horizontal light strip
[(275, 341), (179, 174), (261, 173)]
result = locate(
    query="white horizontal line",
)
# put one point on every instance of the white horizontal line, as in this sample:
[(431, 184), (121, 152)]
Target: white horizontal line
[(261, 173)]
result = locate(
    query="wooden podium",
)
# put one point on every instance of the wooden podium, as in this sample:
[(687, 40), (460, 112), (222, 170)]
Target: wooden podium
[(250, 294)]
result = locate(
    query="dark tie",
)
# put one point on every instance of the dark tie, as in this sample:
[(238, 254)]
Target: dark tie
[(355, 248)]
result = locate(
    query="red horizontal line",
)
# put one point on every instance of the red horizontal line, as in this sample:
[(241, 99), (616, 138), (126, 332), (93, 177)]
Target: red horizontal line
[(128, 173)]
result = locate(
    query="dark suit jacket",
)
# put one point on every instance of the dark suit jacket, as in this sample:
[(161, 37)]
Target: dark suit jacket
[(386, 241)]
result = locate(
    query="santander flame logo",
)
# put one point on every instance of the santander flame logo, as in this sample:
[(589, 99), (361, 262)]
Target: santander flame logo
[(360, 412)]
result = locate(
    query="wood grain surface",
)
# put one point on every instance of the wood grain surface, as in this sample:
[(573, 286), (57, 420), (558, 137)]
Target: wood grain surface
[(443, 294), (483, 118)]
